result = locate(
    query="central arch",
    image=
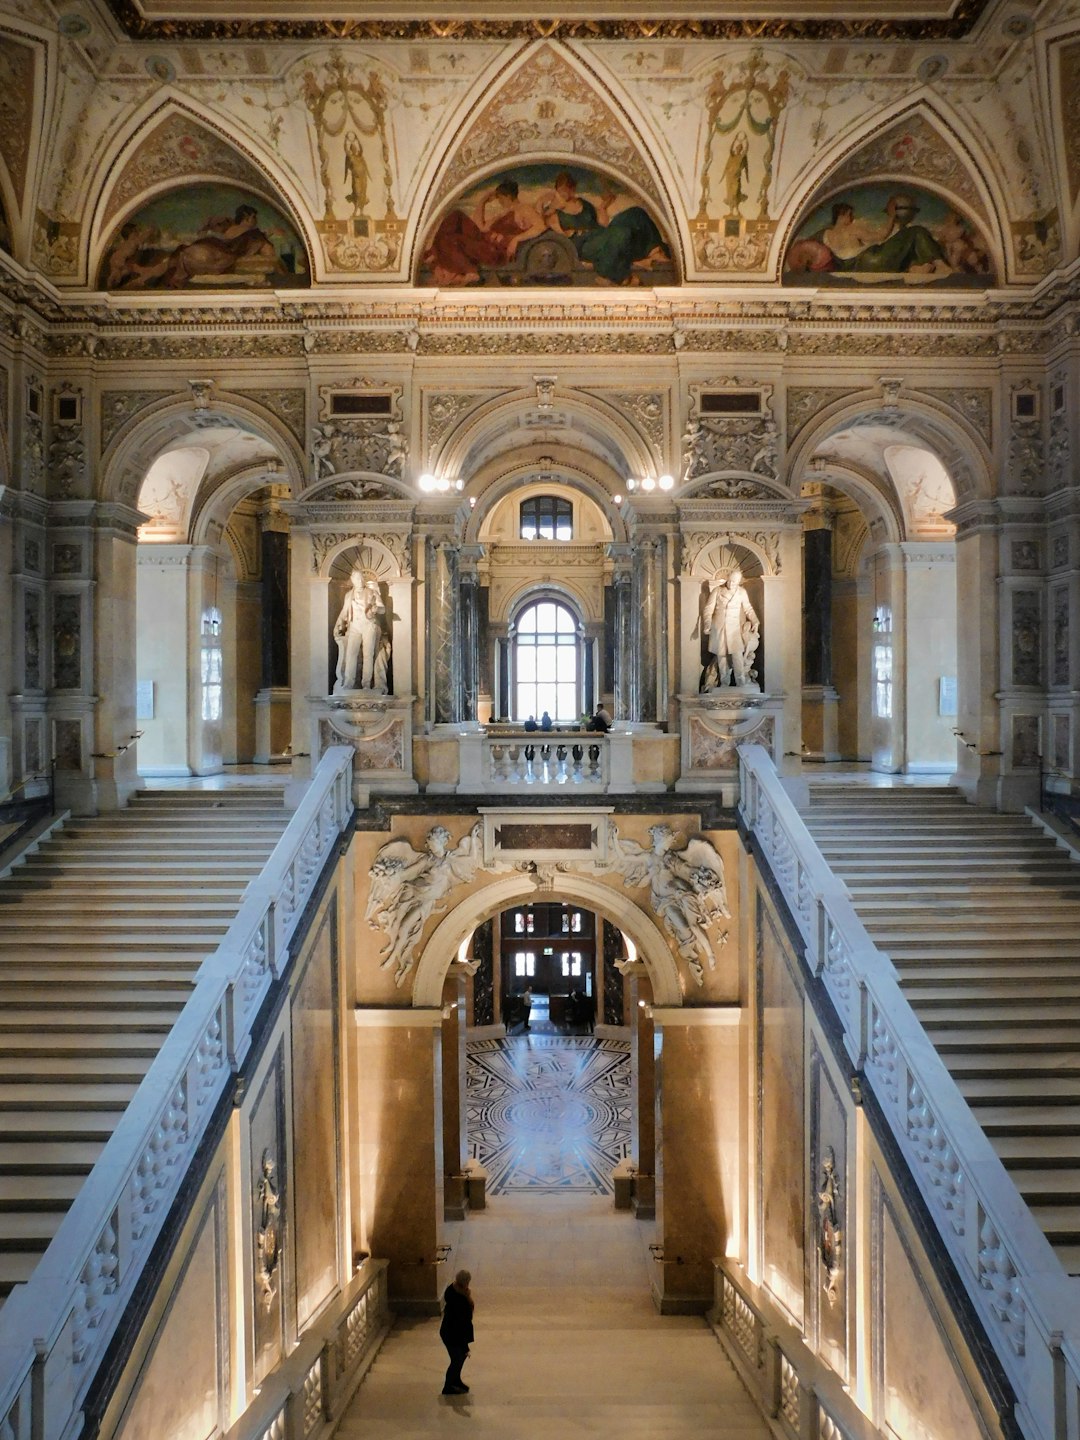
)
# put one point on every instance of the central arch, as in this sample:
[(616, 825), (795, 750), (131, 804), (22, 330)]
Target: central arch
[(442, 947)]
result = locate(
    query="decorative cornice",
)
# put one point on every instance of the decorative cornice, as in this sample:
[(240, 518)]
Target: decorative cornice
[(958, 24)]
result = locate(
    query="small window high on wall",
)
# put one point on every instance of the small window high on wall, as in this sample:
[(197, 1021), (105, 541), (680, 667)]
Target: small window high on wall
[(546, 660), (546, 517)]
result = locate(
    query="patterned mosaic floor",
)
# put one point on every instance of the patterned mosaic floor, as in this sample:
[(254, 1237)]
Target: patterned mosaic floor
[(549, 1114)]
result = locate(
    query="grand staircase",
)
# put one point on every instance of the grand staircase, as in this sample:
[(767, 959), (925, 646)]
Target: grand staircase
[(980, 914), (101, 934)]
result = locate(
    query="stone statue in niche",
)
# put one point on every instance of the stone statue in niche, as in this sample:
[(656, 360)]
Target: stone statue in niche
[(268, 1237), (733, 632), (362, 644), (409, 885), (830, 1232), (687, 888)]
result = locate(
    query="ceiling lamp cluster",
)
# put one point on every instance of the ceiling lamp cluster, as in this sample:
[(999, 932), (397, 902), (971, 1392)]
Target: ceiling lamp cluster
[(430, 484), (665, 482)]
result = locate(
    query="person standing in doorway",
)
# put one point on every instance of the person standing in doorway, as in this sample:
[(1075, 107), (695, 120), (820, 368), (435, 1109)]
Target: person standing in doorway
[(456, 1331)]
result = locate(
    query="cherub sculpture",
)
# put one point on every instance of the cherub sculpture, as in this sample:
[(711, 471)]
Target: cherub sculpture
[(687, 885), (408, 886)]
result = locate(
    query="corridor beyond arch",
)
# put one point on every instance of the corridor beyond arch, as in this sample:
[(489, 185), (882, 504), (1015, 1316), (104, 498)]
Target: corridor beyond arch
[(442, 948)]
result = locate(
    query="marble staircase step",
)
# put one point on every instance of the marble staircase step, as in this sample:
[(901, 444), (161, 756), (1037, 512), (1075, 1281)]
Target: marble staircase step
[(1050, 1186), (1039, 1036), (61, 1022), (1037, 1066), (1060, 1222), (27, 1230), (65, 1096), (75, 1045), (991, 1013), (16, 1269), (954, 949), (176, 870), (1021, 1089), (55, 1069), (46, 1157), (23, 1193), (15, 908), (30, 1126), (1021, 1154), (1059, 1120), (989, 901), (94, 995), (934, 990), (80, 971)]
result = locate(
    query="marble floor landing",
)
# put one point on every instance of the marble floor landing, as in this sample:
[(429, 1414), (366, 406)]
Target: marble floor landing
[(568, 1341)]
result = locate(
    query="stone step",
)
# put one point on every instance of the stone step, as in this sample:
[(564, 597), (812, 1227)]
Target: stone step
[(52, 1126), (91, 996), (1021, 1089), (1050, 1186), (83, 971), (15, 908), (1038, 1037), (1059, 1120), (64, 1096), (1037, 1067), (27, 1230), (185, 942), (1061, 1223), (39, 1192), (34, 1020), (1022, 1153), (54, 1069), (16, 1269), (988, 948), (85, 869), (61, 889), (47, 1157), (993, 1013), (993, 904), (934, 991), (76, 1045)]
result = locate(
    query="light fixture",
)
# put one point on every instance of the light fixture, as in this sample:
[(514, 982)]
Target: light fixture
[(631, 484), (648, 483), (666, 482), (442, 484), (427, 483), (459, 484), (617, 499), (472, 502)]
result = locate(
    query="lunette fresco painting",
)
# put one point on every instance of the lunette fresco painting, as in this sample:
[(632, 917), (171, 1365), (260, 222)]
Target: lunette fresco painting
[(546, 223), (205, 236), (888, 234)]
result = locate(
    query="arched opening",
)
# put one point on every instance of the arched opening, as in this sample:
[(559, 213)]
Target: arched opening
[(546, 654), (212, 611), (880, 635)]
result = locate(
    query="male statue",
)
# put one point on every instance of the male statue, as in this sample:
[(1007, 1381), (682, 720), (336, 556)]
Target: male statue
[(733, 630), (359, 635)]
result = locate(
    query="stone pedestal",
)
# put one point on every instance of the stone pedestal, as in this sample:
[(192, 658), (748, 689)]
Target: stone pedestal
[(714, 725), (399, 1139), (379, 729), (820, 723), (273, 725)]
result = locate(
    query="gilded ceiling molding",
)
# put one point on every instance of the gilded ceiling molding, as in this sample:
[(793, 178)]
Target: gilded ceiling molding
[(955, 26)]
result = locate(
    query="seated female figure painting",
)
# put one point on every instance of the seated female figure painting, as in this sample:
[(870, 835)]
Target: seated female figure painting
[(888, 234), (544, 224), (202, 236)]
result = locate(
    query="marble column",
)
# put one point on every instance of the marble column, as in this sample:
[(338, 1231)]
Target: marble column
[(469, 671), (643, 631), (443, 632), (273, 702), (623, 679), (399, 1140), (820, 701)]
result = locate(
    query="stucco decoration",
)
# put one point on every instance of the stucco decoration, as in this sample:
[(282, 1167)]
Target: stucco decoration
[(177, 148), (5, 229), (1069, 91), (686, 884), (205, 236), (744, 105), (408, 886), (883, 233), (348, 107), (547, 224), (16, 109), (547, 107)]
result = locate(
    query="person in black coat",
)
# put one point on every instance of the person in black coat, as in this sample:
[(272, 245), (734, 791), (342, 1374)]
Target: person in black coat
[(456, 1330)]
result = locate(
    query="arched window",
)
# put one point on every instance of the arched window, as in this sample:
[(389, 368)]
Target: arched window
[(547, 662), (546, 517)]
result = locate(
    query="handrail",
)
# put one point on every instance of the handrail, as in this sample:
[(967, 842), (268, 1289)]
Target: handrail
[(55, 1329), (1028, 1305)]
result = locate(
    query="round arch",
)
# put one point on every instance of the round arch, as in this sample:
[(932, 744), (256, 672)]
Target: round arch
[(219, 495), (495, 481), (443, 945), (930, 423), (157, 426), (595, 429)]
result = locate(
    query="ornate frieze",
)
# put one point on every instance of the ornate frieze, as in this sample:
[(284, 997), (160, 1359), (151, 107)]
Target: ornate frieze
[(975, 404), (443, 409), (647, 408), (806, 401), (697, 542)]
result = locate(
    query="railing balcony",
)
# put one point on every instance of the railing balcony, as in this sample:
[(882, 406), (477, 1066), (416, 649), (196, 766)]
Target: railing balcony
[(568, 761)]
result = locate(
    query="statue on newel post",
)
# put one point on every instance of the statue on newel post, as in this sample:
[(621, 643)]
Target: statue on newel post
[(363, 645), (733, 632)]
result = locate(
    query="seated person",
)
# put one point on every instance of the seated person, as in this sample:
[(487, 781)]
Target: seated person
[(601, 720), (546, 722), (530, 724)]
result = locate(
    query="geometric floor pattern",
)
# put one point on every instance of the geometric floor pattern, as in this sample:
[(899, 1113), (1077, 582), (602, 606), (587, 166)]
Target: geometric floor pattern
[(549, 1114)]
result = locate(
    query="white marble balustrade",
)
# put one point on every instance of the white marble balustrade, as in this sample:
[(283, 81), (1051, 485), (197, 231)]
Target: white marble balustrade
[(1027, 1303), (55, 1329)]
